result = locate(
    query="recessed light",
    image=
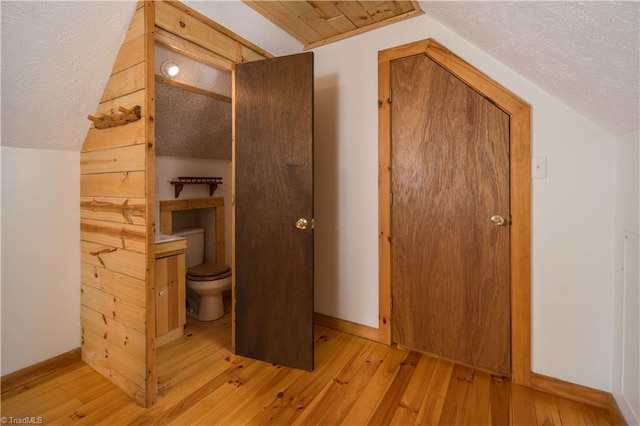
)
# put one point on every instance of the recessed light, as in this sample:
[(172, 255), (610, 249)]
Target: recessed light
[(169, 68)]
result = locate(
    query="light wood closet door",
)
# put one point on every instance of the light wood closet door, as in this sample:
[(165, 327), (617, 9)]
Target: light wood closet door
[(450, 176)]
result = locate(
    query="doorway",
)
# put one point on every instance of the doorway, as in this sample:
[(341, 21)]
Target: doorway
[(516, 112)]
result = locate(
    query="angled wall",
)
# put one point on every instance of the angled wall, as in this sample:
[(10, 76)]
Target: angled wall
[(116, 190)]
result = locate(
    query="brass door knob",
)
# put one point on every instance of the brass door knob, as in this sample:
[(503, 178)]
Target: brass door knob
[(498, 220), (302, 223)]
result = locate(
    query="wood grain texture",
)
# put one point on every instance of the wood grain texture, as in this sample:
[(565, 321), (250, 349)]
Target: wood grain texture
[(520, 189), (131, 53), (355, 381), (113, 137), (217, 203), (450, 175), (116, 226), (273, 115), (176, 21), (118, 210), (219, 28), (318, 23), (193, 50), (124, 82)]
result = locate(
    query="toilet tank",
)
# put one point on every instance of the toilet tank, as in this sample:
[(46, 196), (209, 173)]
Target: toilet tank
[(194, 254)]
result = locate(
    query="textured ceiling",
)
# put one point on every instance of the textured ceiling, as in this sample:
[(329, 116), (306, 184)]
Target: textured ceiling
[(584, 53), (56, 56), (56, 59)]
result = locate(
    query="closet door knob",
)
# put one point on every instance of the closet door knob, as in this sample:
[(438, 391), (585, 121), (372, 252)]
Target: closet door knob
[(498, 220)]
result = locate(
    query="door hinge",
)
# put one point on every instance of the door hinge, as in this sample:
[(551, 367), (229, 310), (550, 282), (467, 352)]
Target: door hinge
[(390, 98), (391, 198), (313, 223)]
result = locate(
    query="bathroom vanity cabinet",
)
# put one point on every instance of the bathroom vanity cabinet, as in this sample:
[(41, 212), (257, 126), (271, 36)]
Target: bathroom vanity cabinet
[(170, 290)]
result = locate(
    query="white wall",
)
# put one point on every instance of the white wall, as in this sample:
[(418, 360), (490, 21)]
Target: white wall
[(40, 255), (169, 168), (573, 209), (626, 378)]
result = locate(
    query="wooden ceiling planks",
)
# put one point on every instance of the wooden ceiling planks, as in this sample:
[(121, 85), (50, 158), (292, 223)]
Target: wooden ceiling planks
[(316, 23)]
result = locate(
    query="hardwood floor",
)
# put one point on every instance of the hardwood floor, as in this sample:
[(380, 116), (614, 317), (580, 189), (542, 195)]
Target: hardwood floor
[(356, 382)]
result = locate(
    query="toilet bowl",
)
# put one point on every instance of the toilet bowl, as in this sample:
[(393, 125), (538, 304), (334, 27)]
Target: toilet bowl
[(205, 281), (208, 281)]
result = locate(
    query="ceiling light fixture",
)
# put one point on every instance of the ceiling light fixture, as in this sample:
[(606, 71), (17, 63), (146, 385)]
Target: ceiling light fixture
[(169, 68)]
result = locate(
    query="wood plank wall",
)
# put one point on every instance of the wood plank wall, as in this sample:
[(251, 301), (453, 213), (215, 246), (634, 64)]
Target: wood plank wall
[(117, 175), (116, 188)]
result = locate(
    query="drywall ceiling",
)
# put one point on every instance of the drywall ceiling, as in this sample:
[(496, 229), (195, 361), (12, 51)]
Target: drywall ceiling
[(56, 60), (583, 53), (56, 56)]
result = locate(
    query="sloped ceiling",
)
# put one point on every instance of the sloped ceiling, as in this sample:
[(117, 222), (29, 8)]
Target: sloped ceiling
[(56, 56), (586, 54), (316, 23)]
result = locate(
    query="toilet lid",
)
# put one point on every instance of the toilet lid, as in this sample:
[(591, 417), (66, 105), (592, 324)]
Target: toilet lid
[(208, 270)]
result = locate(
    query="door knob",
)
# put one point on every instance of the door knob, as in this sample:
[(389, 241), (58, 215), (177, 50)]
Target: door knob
[(497, 220), (302, 223)]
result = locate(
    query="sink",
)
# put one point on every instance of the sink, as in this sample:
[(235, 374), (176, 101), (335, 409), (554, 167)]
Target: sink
[(163, 238)]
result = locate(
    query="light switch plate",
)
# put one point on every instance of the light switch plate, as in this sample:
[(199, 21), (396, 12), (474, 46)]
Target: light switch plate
[(539, 167)]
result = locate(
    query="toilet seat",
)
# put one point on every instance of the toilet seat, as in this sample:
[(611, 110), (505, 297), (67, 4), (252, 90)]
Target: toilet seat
[(209, 272)]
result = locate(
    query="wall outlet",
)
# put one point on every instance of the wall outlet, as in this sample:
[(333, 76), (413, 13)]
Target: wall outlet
[(539, 167)]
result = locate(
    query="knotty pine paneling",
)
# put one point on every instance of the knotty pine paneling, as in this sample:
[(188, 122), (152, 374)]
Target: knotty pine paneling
[(128, 101), (131, 53), (118, 284), (116, 333), (124, 236), (120, 184), (117, 308), (113, 137), (124, 159), (116, 220), (122, 261), (118, 210), (124, 82), (175, 21), (136, 27), (122, 368)]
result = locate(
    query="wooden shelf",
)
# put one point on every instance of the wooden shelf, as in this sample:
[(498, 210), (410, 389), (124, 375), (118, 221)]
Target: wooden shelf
[(179, 183)]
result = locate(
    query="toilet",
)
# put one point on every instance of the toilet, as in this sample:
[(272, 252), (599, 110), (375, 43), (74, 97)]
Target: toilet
[(205, 281)]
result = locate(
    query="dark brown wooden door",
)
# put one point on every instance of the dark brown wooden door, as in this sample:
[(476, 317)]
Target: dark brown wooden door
[(273, 107), (450, 176)]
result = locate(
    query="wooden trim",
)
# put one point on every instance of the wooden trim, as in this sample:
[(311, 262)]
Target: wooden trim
[(199, 91), (22, 377), (186, 23), (233, 209), (151, 372), (346, 326), (572, 391), (361, 30), (520, 188), (217, 203), (214, 25), (192, 50), (384, 208)]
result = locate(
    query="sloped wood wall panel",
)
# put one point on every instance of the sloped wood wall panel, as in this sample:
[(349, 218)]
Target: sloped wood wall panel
[(117, 174), (117, 167)]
